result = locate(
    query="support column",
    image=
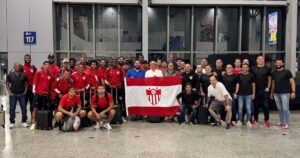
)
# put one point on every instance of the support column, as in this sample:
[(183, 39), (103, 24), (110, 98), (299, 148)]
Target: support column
[(145, 28), (291, 36)]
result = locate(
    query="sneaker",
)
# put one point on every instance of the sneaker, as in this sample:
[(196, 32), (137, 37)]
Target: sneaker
[(267, 124), (249, 124), (223, 123), (107, 126), (255, 123), (239, 123), (227, 126), (98, 125), (233, 123), (123, 119), (25, 125), (12, 125), (194, 122), (285, 127), (186, 119), (175, 119), (215, 124), (32, 127), (279, 125)]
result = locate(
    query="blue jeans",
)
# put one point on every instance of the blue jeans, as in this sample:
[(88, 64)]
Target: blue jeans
[(261, 99), (183, 107), (282, 102), (245, 100), (12, 107)]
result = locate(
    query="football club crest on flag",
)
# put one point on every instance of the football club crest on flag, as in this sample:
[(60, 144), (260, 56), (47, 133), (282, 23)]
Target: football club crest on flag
[(153, 95)]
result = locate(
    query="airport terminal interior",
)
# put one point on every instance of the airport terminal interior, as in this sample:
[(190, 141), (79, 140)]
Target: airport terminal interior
[(187, 29)]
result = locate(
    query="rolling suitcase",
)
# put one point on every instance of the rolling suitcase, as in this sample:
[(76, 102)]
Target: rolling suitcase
[(118, 116), (202, 117), (44, 117), (2, 117)]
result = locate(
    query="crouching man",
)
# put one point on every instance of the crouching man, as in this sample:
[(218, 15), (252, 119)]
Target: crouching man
[(70, 105), (102, 103), (221, 98)]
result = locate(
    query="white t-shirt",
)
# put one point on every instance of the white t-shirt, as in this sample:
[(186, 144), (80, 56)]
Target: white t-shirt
[(155, 73), (219, 92)]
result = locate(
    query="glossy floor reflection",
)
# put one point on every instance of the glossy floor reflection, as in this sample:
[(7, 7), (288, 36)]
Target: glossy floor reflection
[(137, 139)]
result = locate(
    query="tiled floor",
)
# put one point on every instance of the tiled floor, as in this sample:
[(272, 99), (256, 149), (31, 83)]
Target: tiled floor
[(137, 139)]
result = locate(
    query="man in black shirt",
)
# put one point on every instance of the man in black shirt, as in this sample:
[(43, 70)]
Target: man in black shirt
[(16, 85), (205, 82), (230, 83), (189, 100), (283, 88), (246, 93), (219, 70), (189, 76), (262, 75)]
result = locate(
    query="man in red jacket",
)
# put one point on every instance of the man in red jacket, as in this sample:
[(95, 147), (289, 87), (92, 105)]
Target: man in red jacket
[(61, 86), (53, 69), (103, 70), (29, 70), (41, 89), (81, 83)]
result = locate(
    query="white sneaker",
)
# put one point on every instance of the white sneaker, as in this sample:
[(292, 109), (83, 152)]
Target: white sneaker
[(25, 125), (249, 124), (32, 127), (123, 119), (12, 125), (239, 123), (107, 126), (98, 124)]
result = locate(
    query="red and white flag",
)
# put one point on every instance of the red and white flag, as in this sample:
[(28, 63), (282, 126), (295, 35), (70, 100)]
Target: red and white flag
[(152, 96)]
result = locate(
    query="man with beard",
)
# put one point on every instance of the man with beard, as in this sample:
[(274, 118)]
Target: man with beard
[(29, 70), (83, 62), (53, 69), (219, 70), (283, 88), (103, 71), (136, 72), (72, 63), (189, 76)]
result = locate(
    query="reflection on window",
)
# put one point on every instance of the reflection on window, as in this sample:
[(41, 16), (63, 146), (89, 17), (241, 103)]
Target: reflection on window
[(61, 27), (157, 28), (106, 28), (252, 29), (81, 21), (275, 29), (180, 29), (60, 57), (131, 28), (228, 29), (204, 34)]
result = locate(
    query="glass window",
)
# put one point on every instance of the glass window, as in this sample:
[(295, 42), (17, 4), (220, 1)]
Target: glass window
[(180, 29), (228, 20), (204, 29), (252, 29), (106, 28), (81, 27), (131, 28), (275, 29), (61, 27), (60, 57), (3, 72), (157, 28)]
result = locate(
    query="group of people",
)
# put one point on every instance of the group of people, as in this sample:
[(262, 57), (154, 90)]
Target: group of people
[(90, 89)]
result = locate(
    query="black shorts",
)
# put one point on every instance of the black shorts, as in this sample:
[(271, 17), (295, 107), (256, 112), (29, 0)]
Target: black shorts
[(41, 101), (98, 110)]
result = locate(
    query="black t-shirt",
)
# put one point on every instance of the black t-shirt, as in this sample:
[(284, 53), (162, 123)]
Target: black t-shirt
[(190, 77), (17, 82), (219, 74), (188, 99), (205, 82), (245, 81), (261, 75), (230, 82), (282, 81)]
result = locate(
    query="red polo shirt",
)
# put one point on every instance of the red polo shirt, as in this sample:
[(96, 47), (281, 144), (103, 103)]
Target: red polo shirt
[(102, 102), (93, 77), (29, 71), (80, 81), (115, 77), (67, 103), (237, 71), (62, 85), (42, 82)]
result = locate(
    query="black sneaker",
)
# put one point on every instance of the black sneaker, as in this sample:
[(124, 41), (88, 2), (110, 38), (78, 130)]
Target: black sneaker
[(216, 124), (180, 122), (194, 122), (56, 124), (227, 126)]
